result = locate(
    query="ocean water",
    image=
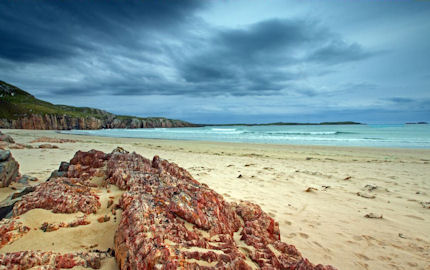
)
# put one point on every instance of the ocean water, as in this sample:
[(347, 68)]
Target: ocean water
[(403, 136)]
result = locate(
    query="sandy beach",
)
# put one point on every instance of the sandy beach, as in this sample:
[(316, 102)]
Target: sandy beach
[(328, 200)]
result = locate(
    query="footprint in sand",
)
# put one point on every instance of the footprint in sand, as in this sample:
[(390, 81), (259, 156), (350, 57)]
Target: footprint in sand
[(291, 235), (384, 258), (362, 265), (272, 214), (318, 244), (357, 238), (414, 217), (362, 256), (287, 222), (304, 235)]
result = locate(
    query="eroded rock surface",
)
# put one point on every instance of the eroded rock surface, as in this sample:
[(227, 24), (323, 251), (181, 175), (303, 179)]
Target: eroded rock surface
[(52, 140), (50, 260), (61, 195), (169, 219)]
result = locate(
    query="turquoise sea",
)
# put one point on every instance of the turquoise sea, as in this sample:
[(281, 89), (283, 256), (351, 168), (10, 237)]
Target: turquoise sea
[(403, 136)]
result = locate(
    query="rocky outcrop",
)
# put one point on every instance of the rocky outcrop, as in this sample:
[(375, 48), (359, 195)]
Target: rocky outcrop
[(6, 138), (9, 168), (60, 195), (53, 140), (64, 122), (51, 260), (169, 219), (172, 221), (21, 110), (52, 122), (48, 146), (10, 230)]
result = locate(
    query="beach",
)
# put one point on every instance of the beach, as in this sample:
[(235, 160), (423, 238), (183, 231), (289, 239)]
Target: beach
[(351, 207)]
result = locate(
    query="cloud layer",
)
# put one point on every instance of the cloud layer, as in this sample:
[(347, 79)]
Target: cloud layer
[(166, 50)]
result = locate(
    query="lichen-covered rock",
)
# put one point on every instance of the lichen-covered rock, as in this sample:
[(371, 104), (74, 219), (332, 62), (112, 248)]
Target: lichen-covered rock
[(172, 221), (9, 168), (10, 230), (61, 195), (52, 140), (169, 220), (50, 260)]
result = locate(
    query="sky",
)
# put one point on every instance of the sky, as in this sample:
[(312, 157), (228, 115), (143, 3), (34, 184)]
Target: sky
[(219, 61)]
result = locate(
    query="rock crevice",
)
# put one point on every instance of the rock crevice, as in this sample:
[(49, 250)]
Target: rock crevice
[(169, 219)]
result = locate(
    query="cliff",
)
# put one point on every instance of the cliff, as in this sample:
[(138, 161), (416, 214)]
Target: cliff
[(21, 110)]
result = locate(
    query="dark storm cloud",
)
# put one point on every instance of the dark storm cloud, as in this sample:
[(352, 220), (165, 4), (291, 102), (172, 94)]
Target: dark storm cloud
[(38, 30), (261, 58), (161, 47)]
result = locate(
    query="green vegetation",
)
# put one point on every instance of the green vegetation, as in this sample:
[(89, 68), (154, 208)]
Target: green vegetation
[(16, 103)]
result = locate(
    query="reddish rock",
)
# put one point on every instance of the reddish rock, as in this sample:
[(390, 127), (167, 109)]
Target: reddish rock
[(103, 219), (9, 168), (17, 146), (10, 230), (169, 219), (3, 145), (48, 146), (50, 260), (52, 140), (61, 195), (65, 122)]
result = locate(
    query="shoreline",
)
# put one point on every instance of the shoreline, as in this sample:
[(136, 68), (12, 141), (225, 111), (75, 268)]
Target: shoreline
[(326, 224), (241, 143), (344, 135)]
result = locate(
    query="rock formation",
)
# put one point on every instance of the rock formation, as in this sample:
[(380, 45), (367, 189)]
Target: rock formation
[(53, 140), (64, 122), (9, 168), (169, 219), (50, 260), (6, 138), (21, 110)]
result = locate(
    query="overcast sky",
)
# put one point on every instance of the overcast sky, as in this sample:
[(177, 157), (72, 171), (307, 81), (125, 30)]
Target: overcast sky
[(224, 61)]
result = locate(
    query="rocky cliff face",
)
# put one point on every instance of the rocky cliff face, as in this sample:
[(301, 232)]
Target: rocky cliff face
[(64, 122), (21, 110)]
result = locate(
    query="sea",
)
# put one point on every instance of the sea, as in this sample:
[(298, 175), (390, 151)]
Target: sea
[(398, 136)]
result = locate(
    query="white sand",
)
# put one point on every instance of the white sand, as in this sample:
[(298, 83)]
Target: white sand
[(327, 224)]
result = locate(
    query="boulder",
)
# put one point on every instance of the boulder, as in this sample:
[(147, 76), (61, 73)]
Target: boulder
[(9, 168), (51, 260), (6, 138), (48, 146), (7, 204), (169, 219)]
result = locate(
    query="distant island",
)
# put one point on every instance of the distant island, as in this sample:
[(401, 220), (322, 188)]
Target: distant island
[(290, 124), (416, 123), (21, 110)]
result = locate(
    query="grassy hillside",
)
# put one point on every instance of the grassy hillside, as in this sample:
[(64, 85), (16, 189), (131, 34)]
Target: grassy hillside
[(16, 103)]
